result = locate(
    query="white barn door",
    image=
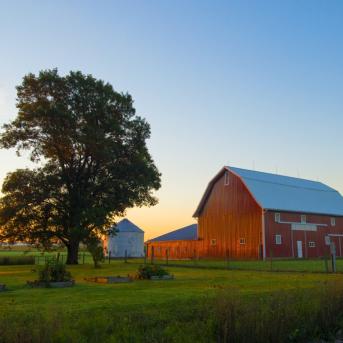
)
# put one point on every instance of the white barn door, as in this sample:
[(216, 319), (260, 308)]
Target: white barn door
[(300, 249)]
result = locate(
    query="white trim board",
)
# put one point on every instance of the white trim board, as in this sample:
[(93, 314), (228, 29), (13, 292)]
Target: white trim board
[(304, 227)]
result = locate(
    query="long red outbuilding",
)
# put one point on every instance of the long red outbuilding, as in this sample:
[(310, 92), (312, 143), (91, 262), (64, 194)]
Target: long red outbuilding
[(248, 214)]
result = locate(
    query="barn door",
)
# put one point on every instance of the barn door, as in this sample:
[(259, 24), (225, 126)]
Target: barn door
[(300, 249)]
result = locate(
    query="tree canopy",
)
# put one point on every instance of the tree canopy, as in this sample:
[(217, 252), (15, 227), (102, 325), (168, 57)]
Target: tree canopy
[(92, 160)]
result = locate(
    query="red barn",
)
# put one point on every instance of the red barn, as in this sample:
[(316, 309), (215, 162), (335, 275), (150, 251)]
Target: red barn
[(249, 214)]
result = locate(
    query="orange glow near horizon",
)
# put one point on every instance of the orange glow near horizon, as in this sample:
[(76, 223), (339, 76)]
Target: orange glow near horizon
[(160, 219)]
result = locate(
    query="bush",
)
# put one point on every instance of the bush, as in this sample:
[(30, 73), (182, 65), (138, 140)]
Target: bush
[(16, 260), (53, 271), (96, 250), (147, 271)]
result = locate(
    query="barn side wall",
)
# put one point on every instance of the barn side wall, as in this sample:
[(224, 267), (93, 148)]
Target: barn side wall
[(131, 242), (230, 224), (289, 238), (181, 249)]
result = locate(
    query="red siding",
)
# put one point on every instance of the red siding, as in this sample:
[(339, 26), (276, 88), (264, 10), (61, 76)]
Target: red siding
[(288, 248), (176, 249), (229, 215)]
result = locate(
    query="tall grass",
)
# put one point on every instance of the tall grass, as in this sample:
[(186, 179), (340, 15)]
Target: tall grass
[(287, 316), (284, 316)]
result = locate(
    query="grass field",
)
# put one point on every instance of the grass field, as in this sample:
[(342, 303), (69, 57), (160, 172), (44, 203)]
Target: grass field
[(159, 305), (204, 294), (188, 284)]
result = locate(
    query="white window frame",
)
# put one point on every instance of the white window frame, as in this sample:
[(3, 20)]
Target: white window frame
[(311, 244), (277, 217), (226, 178), (242, 241), (213, 242), (278, 239), (333, 221), (303, 219)]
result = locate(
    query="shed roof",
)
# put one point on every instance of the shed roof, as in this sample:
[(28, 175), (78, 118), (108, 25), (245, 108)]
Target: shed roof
[(189, 232), (285, 193), (126, 225)]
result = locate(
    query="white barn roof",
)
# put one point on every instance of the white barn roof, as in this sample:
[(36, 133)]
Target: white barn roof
[(126, 225), (284, 193)]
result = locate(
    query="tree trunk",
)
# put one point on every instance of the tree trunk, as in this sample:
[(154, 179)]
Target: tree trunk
[(73, 252)]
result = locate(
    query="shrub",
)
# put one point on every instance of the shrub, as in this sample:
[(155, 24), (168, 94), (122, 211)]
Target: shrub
[(16, 260), (53, 271), (96, 250), (147, 271)]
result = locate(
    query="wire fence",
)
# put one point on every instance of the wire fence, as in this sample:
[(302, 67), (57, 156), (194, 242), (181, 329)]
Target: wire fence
[(43, 259), (325, 264)]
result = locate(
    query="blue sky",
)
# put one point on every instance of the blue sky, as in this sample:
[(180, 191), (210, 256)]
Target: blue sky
[(255, 84)]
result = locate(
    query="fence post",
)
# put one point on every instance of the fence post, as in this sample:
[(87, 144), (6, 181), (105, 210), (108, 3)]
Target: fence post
[(58, 257), (109, 257), (326, 265), (333, 256), (125, 256), (271, 260), (167, 255), (227, 254), (83, 258), (152, 254)]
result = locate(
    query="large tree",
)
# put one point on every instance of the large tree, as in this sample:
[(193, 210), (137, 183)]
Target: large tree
[(92, 161)]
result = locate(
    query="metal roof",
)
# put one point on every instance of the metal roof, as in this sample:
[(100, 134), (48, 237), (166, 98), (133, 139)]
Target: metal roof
[(126, 225), (285, 193), (189, 232)]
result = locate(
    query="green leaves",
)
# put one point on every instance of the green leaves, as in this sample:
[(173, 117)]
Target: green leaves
[(93, 155)]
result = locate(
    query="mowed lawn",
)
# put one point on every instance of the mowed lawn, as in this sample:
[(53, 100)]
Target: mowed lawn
[(189, 283)]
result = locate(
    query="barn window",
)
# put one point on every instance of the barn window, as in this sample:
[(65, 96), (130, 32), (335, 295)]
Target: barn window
[(327, 240), (226, 178), (333, 221), (277, 217), (312, 244), (242, 241), (303, 218), (213, 242), (278, 239)]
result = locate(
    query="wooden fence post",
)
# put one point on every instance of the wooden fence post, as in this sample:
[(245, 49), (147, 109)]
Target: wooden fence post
[(145, 253), (109, 257), (333, 256), (152, 254), (227, 255), (326, 265), (125, 256)]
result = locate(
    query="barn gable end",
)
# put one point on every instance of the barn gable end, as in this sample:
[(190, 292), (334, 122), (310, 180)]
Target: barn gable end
[(229, 219)]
